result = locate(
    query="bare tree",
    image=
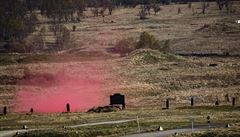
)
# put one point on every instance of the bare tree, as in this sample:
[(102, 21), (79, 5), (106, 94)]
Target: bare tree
[(156, 8), (222, 3), (203, 7)]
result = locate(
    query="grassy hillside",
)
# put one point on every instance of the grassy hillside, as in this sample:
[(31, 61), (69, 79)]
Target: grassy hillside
[(147, 77)]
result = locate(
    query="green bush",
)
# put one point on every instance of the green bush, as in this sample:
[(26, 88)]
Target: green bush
[(149, 41)]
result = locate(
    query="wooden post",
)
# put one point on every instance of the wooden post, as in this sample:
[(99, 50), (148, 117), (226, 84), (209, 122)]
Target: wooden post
[(233, 101), (139, 130), (192, 101), (208, 121), (5, 110), (167, 104), (31, 110), (217, 103), (68, 107)]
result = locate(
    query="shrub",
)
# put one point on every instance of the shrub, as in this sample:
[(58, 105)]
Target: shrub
[(18, 46), (125, 46), (74, 27), (147, 41)]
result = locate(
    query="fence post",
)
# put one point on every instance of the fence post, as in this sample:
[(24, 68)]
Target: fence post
[(233, 101), (217, 103), (139, 130), (68, 107), (31, 110), (167, 104), (5, 110), (192, 101)]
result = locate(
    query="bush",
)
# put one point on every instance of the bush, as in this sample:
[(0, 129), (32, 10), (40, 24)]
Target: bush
[(147, 41), (74, 27), (18, 46), (125, 46)]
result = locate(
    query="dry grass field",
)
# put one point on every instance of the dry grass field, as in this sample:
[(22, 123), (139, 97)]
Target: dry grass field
[(146, 77)]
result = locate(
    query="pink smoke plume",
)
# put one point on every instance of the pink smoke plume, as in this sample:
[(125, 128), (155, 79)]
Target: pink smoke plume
[(51, 92)]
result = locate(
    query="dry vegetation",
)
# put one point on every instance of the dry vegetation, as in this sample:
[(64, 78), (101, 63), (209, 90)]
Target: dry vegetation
[(230, 132), (147, 77)]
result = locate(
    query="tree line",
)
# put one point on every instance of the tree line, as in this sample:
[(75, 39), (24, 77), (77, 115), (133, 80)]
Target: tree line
[(18, 18)]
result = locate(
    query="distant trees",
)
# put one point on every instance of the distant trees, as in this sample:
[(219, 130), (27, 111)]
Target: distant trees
[(156, 8), (59, 10), (147, 6), (62, 35), (203, 7), (15, 22), (222, 3), (225, 3), (145, 41)]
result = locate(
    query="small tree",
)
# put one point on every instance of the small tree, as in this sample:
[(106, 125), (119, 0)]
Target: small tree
[(203, 7), (147, 41), (147, 8), (142, 15), (156, 8), (222, 3)]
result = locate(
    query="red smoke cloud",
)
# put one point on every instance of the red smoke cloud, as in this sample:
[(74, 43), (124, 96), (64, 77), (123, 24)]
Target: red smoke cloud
[(47, 92)]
